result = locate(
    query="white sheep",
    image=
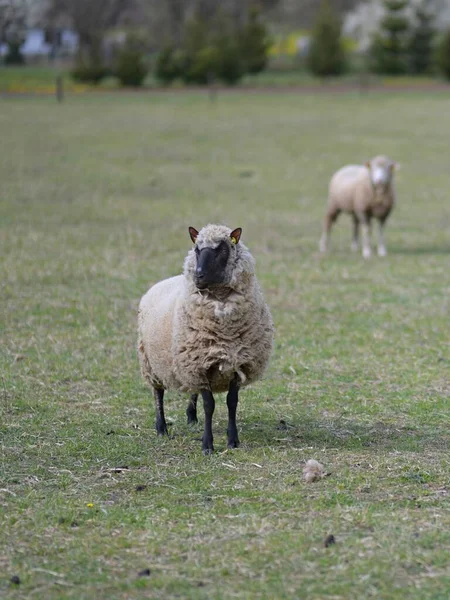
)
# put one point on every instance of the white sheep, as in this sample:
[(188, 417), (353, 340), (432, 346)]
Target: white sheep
[(364, 191), (207, 330)]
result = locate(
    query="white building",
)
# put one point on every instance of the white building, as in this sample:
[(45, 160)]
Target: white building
[(38, 43)]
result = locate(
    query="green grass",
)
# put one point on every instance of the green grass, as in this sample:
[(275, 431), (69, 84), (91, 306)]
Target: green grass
[(96, 197), (28, 79), (42, 80)]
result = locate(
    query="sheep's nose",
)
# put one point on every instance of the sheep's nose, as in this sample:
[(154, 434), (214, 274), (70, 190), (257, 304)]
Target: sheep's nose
[(199, 273)]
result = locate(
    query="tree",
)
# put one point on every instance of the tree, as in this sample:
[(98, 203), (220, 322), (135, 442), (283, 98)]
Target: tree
[(420, 43), (390, 45), (255, 43), (90, 19), (443, 54), (326, 55), (13, 21)]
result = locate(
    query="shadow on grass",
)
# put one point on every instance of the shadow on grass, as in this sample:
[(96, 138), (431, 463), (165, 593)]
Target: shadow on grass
[(347, 436)]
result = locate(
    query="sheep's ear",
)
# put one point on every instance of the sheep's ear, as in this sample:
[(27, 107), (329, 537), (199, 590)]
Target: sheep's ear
[(235, 235), (193, 233), (367, 164)]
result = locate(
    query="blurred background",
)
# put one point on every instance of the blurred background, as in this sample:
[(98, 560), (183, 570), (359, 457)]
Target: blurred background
[(152, 43)]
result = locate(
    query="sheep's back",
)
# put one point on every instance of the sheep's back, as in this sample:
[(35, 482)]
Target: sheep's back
[(350, 188)]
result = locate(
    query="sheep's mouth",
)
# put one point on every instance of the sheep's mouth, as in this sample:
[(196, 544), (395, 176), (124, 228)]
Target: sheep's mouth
[(210, 287)]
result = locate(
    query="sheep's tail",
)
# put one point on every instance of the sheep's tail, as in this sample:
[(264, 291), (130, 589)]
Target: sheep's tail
[(227, 366), (241, 375)]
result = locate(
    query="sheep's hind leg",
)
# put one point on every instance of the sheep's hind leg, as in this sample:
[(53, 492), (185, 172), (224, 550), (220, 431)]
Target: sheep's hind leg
[(330, 218), (191, 410), (355, 238), (208, 405), (161, 425), (232, 402)]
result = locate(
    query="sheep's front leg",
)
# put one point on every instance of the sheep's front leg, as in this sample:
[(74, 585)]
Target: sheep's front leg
[(381, 245), (208, 405), (161, 426), (191, 410), (232, 402)]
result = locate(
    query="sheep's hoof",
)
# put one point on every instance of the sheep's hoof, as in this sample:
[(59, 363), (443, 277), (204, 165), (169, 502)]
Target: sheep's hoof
[(367, 253), (207, 445), (233, 444), (161, 428), (192, 420), (382, 251)]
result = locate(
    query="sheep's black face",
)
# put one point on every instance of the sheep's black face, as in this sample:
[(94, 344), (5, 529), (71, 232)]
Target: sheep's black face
[(211, 265)]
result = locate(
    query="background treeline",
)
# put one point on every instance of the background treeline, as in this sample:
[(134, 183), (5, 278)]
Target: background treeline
[(204, 41), (403, 43)]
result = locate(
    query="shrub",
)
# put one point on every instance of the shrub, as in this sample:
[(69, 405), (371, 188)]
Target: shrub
[(14, 55), (89, 73), (213, 51), (170, 64), (255, 43), (326, 55), (230, 68), (131, 69), (443, 54), (202, 67), (210, 55)]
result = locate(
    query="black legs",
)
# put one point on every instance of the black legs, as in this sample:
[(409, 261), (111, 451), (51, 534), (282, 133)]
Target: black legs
[(208, 405), (232, 402), (191, 410), (161, 426)]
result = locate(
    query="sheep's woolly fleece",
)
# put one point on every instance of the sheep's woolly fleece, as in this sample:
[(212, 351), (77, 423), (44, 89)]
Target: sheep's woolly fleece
[(313, 471), (191, 340)]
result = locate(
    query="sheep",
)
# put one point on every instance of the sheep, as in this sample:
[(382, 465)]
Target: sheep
[(364, 191), (208, 330)]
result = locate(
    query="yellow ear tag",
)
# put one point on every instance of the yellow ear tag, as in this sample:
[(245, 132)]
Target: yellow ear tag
[(233, 240)]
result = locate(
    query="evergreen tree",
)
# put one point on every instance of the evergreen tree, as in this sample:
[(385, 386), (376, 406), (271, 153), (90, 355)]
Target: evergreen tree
[(326, 54), (389, 48), (255, 43), (131, 68), (420, 46), (170, 64), (443, 54)]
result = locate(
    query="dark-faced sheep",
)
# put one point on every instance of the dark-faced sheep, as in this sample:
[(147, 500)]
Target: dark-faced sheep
[(365, 192), (205, 331)]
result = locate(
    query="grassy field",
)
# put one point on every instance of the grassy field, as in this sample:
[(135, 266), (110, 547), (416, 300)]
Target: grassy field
[(95, 199)]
